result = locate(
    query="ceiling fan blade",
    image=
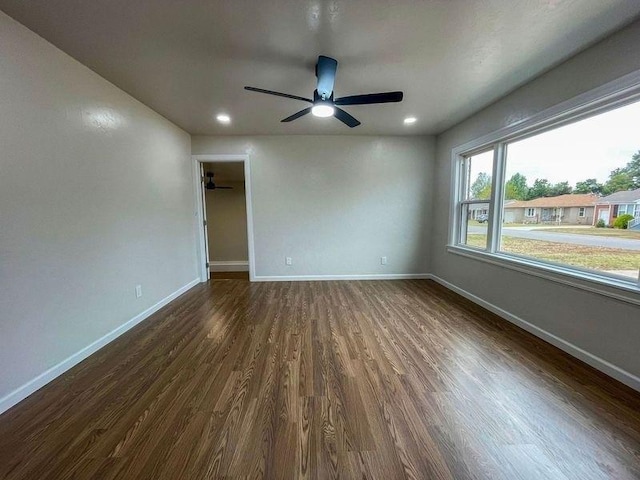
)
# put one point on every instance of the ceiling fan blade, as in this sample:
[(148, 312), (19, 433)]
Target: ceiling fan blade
[(326, 73), (386, 97), (297, 115), (345, 118), (278, 94)]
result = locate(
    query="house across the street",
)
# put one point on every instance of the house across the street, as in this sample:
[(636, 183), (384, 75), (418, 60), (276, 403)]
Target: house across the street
[(479, 211), (573, 209), (612, 206)]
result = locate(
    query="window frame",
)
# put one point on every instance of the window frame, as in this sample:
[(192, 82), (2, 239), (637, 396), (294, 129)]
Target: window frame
[(463, 185), (610, 96), (582, 212), (629, 208)]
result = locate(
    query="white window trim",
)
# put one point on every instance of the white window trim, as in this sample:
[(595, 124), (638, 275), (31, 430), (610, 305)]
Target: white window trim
[(607, 97), (526, 213), (582, 212)]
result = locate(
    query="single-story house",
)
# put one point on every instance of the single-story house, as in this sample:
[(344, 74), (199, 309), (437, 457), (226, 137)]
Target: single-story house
[(477, 210), (575, 209), (612, 206)]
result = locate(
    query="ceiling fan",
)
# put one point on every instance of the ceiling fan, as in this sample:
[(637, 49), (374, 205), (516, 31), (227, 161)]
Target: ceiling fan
[(323, 103), (212, 186)]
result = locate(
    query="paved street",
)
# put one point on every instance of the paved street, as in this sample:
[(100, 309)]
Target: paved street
[(550, 236)]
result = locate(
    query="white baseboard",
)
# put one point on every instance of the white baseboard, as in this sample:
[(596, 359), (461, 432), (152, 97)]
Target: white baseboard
[(45, 377), (315, 278), (596, 362), (229, 266)]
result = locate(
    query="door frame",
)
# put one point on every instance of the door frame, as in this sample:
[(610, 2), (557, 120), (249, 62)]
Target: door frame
[(197, 160)]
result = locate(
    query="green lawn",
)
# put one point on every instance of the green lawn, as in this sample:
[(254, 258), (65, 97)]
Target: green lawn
[(596, 258)]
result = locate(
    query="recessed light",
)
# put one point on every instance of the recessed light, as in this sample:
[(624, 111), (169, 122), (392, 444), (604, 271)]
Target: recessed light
[(410, 120), (322, 110), (223, 118)]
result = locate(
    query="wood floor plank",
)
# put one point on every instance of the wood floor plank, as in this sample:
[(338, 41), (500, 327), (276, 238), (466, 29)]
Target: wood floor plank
[(294, 380)]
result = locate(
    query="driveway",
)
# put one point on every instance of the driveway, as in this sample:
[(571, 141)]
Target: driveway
[(576, 239)]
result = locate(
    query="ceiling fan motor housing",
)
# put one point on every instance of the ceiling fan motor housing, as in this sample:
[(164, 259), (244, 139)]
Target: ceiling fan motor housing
[(318, 100)]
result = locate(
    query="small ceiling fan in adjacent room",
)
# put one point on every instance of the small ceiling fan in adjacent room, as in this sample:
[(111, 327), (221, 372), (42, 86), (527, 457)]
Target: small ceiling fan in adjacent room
[(212, 186), (323, 103)]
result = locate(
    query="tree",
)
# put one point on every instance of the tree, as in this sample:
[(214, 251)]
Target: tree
[(625, 178), (561, 188), (590, 185), (481, 187), (541, 188), (633, 169), (516, 187), (619, 179)]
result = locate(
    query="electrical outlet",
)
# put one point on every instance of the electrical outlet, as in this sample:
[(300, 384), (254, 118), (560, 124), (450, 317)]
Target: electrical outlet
[(138, 291), (383, 260), (288, 261)]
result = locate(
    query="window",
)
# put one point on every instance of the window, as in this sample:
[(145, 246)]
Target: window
[(476, 187), (565, 168), (626, 208)]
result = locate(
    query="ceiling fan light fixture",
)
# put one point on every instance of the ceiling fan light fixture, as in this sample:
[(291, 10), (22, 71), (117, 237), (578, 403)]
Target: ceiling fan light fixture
[(223, 118), (323, 110)]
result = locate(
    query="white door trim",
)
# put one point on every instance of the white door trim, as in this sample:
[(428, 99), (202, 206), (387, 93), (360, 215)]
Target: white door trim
[(202, 260)]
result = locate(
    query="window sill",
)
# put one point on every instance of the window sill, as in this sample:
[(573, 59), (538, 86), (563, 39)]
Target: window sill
[(625, 291)]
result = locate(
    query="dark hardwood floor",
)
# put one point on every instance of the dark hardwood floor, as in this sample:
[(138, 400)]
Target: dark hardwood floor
[(229, 276), (386, 379)]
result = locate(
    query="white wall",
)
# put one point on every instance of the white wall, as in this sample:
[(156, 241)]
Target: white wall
[(602, 327), (227, 223), (96, 197), (336, 204)]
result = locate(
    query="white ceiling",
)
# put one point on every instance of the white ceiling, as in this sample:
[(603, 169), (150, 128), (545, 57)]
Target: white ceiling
[(190, 60)]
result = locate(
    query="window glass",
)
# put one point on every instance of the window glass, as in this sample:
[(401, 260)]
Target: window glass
[(476, 195), (583, 180)]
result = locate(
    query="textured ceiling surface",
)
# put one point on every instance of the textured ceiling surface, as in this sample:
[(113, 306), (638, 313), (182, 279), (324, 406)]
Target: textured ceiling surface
[(190, 60)]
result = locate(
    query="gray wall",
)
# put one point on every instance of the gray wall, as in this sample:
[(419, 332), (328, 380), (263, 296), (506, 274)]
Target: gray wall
[(336, 204), (227, 223), (96, 197), (606, 328), (572, 215)]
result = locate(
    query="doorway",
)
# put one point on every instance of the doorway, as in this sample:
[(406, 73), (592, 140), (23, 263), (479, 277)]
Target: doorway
[(604, 216), (225, 220)]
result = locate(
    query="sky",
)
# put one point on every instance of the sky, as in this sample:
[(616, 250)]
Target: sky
[(590, 148)]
